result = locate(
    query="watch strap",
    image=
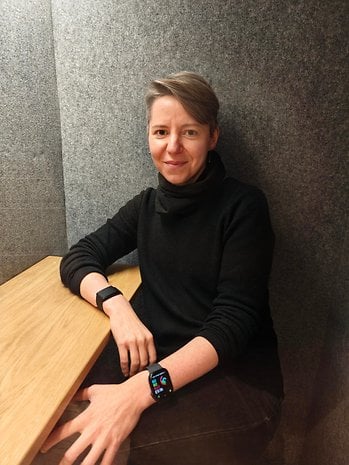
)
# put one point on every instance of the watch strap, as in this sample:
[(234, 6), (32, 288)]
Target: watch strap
[(105, 294), (154, 367)]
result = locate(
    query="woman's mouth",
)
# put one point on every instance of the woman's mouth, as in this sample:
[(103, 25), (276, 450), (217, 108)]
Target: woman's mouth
[(175, 163)]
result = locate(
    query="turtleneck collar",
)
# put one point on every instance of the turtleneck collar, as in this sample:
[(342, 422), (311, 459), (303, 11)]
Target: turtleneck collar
[(180, 200)]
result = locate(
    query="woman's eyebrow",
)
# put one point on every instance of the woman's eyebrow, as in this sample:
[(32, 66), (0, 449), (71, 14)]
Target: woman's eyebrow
[(190, 125), (182, 126)]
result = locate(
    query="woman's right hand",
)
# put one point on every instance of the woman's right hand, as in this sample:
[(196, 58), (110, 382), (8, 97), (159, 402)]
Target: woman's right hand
[(135, 342), (133, 339)]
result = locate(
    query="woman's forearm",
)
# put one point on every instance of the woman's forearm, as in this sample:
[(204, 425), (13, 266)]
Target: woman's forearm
[(90, 285), (192, 361)]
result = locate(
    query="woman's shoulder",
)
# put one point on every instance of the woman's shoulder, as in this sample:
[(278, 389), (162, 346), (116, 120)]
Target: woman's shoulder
[(246, 204), (239, 191)]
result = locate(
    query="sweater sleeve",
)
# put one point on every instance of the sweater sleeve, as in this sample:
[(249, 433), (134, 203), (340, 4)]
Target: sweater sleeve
[(241, 304), (95, 252)]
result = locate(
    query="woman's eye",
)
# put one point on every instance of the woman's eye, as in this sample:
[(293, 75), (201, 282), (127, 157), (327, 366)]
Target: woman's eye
[(160, 132), (191, 132)]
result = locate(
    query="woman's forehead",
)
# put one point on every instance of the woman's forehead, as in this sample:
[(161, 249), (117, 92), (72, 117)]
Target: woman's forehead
[(168, 109)]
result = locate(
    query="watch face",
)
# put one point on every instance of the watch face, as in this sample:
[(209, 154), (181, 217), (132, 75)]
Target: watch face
[(161, 384)]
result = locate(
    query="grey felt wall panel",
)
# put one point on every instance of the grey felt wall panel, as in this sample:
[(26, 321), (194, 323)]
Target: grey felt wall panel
[(31, 181)]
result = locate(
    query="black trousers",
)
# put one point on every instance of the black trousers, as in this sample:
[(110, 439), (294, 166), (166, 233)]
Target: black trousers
[(218, 419)]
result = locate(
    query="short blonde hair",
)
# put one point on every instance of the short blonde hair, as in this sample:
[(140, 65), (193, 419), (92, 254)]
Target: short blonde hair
[(192, 91)]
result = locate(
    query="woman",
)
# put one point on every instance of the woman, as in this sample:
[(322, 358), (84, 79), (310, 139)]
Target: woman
[(200, 334)]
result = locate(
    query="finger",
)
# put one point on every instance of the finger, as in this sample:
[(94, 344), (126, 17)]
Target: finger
[(109, 455), (95, 453), (152, 351), (81, 395), (76, 449), (134, 359), (60, 433), (147, 352), (143, 357), (124, 360)]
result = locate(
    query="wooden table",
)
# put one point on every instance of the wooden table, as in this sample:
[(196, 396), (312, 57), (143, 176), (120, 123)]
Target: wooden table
[(49, 339)]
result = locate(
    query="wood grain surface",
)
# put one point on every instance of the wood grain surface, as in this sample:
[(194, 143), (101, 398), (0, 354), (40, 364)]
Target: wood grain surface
[(49, 339)]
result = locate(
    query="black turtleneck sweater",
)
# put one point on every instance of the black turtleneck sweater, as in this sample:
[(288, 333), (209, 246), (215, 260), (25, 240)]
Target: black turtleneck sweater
[(205, 252)]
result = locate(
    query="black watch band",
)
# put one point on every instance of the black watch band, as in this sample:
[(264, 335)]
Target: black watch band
[(105, 294), (159, 381)]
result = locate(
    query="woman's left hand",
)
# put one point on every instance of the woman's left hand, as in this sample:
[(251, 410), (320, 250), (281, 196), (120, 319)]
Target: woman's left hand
[(109, 419)]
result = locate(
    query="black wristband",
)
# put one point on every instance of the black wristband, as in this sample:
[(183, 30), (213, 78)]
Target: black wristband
[(105, 294)]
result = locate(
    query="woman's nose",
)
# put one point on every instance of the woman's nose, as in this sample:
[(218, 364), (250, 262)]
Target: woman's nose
[(174, 144)]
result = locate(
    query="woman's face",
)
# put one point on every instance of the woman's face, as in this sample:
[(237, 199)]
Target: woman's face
[(177, 142)]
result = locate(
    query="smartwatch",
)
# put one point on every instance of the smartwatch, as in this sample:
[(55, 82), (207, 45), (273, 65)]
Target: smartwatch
[(159, 381), (106, 294)]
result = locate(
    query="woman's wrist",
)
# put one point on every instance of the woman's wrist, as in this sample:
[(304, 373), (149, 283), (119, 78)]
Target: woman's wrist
[(114, 304), (139, 389)]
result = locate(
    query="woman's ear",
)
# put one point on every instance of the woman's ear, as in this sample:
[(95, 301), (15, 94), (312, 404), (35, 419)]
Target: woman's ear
[(214, 138)]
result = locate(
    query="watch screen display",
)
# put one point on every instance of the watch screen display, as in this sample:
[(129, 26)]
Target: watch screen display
[(161, 385)]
